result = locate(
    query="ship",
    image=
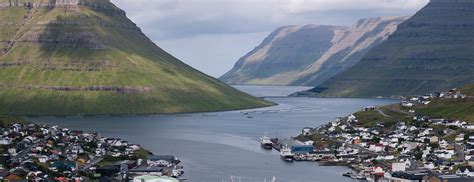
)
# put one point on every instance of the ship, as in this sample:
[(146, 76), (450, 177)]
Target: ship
[(286, 154), (265, 142)]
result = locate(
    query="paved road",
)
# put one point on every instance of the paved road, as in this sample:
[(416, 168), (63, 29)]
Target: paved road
[(382, 113), (92, 163), (25, 151)]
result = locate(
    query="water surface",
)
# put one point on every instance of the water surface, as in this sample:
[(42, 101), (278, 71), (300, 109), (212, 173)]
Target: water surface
[(223, 146)]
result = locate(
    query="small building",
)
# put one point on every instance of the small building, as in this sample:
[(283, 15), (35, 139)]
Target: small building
[(376, 147), (151, 178), (465, 171), (397, 167), (434, 139), (369, 108), (302, 149), (407, 104), (305, 141), (147, 170), (306, 131)]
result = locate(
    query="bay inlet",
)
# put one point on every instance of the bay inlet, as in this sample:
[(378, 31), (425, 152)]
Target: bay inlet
[(223, 146)]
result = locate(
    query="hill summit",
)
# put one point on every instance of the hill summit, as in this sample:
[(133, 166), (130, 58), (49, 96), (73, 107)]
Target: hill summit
[(85, 57), (431, 51)]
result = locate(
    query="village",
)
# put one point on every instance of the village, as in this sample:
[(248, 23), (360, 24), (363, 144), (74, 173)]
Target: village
[(32, 152), (390, 143)]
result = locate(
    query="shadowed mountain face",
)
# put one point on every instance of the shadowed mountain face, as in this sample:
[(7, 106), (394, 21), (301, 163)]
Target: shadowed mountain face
[(431, 51), (69, 57), (308, 55)]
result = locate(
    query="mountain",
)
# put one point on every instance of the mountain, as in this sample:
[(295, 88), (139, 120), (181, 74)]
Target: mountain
[(311, 54), (285, 51), (85, 57), (431, 51)]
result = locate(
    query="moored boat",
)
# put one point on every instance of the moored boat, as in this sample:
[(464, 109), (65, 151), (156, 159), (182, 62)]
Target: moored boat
[(265, 142), (286, 154)]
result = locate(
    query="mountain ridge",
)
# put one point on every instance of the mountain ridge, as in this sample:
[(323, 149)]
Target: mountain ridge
[(309, 60), (432, 51)]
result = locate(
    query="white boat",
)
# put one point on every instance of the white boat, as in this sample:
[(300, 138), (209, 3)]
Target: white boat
[(286, 154), (265, 142)]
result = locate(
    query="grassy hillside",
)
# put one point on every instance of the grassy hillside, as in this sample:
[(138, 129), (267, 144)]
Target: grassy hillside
[(6, 121), (388, 115), (462, 109), (88, 60)]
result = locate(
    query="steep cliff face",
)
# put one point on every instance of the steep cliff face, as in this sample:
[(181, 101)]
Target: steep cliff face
[(431, 51), (287, 50), (311, 61), (70, 57), (99, 5)]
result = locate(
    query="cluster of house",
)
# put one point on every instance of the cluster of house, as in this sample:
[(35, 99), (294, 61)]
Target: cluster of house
[(404, 147), (416, 149), (49, 153)]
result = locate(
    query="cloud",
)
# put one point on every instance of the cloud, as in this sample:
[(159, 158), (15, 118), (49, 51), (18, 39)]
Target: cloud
[(296, 6), (211, 35), (170, 19)]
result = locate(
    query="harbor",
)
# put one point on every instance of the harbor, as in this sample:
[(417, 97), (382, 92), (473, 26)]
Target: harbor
[(216, 146), (389, 143)]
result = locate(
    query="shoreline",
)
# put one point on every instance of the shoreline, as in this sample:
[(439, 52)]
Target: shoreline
[(85, 155)]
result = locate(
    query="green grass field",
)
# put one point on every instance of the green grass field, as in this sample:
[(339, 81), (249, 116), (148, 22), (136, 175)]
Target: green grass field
[(85, 47), (460, 109)]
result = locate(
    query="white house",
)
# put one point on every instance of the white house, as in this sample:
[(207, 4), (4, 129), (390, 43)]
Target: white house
[(398, 167), (465, 171), (5, 141), (306, 131), (407, 104), (376, 147)]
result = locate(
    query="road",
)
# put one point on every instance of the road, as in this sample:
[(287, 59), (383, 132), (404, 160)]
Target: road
[(92, 163), (24, 152)]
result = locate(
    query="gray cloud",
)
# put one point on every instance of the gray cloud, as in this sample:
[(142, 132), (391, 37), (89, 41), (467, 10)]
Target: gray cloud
[(169, 19), (211, 35)]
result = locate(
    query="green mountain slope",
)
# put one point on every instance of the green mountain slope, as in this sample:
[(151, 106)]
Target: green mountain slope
[(460, 109), (431, 51), (70, 57)]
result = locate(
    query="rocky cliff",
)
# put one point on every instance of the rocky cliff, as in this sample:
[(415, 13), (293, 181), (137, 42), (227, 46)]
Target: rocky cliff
[(431, 51), (300, 55), (85, 57)]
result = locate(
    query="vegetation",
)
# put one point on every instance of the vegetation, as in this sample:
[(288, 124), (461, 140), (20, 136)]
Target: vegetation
[(139, 154), (6, 121), (88, 47), (461, 109), (467, 90), (392, 114)]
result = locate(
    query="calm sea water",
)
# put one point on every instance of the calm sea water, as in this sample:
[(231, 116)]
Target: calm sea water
[(223, 146)]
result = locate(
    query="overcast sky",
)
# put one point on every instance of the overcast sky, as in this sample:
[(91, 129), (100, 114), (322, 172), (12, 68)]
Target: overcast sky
[(211, 35)]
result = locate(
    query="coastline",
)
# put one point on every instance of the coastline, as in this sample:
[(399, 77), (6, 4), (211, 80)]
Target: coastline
[(56, 153), (395, 142)]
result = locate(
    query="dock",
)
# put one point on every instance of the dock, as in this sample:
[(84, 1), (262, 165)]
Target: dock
[(276, 144)]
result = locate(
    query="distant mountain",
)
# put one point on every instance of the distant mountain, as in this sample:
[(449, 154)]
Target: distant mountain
[(431, 51), (311, 54), (288, 50), (85, 57)]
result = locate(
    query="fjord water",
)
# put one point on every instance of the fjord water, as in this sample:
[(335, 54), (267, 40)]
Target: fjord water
[(222, 146)]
